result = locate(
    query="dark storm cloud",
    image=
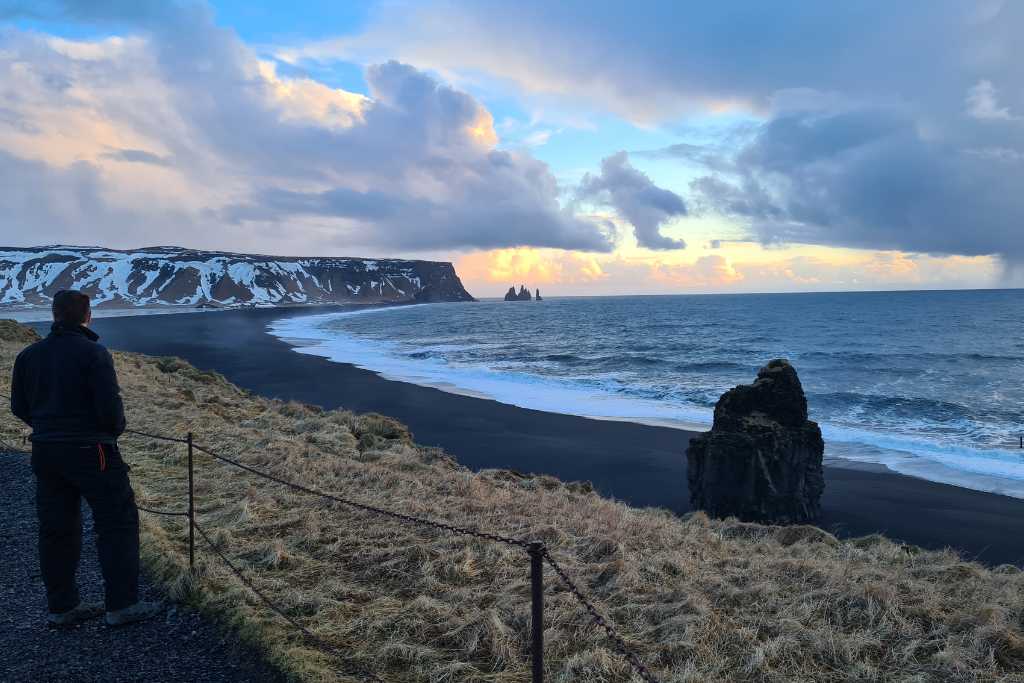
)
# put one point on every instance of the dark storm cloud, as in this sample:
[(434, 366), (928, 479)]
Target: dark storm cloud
[(671, 59), (872, 178), (637, 199), (742, 198), (704, 155)]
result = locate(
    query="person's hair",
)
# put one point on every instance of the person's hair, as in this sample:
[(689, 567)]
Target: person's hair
[(70, 307)]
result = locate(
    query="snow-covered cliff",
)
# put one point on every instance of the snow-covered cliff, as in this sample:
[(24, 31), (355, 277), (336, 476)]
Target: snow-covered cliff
[(175, 276)]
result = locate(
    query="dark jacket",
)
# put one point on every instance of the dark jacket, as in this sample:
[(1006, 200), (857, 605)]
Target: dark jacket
[(65, 388)]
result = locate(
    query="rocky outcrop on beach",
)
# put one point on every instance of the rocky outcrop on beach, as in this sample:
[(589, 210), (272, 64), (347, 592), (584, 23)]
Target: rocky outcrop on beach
[(522, 295), (176, 276), (762, 459)]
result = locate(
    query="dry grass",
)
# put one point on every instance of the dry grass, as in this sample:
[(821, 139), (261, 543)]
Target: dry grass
[(700, 600)]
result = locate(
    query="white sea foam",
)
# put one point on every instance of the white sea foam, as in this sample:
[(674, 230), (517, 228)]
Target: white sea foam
[(992, 470), (310, 336)]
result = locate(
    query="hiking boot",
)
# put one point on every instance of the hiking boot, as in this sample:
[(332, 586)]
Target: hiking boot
[(84, 611), (140, 611)]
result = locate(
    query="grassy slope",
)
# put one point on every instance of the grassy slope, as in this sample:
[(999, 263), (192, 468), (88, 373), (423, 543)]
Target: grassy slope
[(700, 600)]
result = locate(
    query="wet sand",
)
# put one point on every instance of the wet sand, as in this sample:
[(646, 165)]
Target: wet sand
[(639, 464)]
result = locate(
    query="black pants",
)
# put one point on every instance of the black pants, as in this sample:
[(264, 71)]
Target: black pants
[(65, 473)]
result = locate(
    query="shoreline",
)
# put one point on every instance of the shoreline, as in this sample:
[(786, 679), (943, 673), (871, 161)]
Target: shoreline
[(37, 315), (298, 344), (638, 464)]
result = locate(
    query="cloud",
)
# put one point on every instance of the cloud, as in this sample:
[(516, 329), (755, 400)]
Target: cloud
[(983, 103), (871, 270), (871, 178), (139, 156), (537, 138), (706, 156), (535, 267), (712, 272), (883, 125), (737, 267), (43, 204), (713, 57), (443, 185), (637, 199), (412, 167)]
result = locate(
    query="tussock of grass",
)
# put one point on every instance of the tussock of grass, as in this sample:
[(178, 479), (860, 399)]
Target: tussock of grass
[(699, 599), (11, 331)]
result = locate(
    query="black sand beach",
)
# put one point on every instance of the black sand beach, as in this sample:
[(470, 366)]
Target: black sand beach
[(639, 464)]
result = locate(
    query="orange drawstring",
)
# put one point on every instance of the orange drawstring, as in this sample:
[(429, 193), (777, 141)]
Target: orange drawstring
[(103, 457)]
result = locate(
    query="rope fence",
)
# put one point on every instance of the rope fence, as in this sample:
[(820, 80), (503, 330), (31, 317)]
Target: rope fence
[(166, 513), (537, 552)]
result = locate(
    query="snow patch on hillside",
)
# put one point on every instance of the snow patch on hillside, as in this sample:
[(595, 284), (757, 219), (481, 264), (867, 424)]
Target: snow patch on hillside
[(180, 277)]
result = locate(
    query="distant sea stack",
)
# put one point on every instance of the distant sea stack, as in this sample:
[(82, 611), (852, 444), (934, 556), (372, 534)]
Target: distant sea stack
[(762, 459), (522, 295), (187, 277)]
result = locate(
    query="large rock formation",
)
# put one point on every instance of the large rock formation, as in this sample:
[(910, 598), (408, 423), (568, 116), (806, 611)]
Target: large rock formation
[(175, 276), (761, 461), (523, 295)]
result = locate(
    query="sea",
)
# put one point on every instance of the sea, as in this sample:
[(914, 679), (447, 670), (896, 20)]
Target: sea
[(928, 383)]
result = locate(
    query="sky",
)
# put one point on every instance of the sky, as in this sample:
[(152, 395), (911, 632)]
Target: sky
[(577, 147)]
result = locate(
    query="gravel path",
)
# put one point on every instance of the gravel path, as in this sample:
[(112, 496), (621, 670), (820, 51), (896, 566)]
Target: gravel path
[(180, 646)]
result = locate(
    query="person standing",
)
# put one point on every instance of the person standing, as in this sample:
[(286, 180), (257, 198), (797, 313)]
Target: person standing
[(65, 388)]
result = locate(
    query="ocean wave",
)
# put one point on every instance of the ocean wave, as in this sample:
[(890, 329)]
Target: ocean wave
[(915, 409), (986, 469), (563, 358), (887, 358), (712, 365), (586, 397)]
